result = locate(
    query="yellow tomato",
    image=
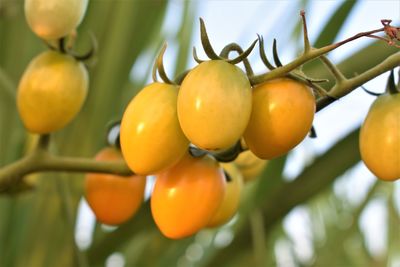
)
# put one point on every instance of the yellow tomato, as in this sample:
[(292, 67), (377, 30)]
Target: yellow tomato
[(214, 105), (230, 203), (151, 138), (250, 165), (51, 92), (282, 115), (186, 196), (54, 19), (380, 138), (113, 199)]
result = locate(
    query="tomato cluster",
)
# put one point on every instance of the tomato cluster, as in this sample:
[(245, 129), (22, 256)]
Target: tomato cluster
[(214, 108)]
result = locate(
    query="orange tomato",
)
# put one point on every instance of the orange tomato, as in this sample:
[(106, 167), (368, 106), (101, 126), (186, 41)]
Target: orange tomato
[(230, 203), (113, 199), (186, 196), (282, 115), (151, 137), (214, 104), (250, 165), (380, 138)]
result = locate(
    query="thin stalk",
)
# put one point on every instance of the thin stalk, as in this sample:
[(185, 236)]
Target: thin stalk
[(312, 54), (349, 85), (333, 69)]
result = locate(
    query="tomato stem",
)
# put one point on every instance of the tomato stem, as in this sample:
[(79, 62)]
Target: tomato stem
[(205, 41), (263, 56), (391, 85), (307, 46), (160, 65), (339, 77), (277, 61), (235, 47)]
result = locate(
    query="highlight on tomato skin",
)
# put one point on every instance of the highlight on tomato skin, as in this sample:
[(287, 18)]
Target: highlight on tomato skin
[(214, 105), (113, 199), (151, 137), (282, 115), (51, 92), (186, 196), (230, 203), (54, 19), (379, 140)]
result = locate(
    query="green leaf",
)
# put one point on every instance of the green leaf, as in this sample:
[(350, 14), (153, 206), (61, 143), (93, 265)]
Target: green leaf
[(333, 26)]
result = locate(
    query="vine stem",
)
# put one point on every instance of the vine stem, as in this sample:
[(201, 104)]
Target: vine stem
[(348, 85), (42, 160), (312, 53)]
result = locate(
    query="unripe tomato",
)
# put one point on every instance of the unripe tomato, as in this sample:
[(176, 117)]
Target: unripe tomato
[(380, 138), (214, 104), (113, 199), (250, 165), (51, 92), (54, 19), (230, 203), (282, 115), (151, 138), (186, 196)]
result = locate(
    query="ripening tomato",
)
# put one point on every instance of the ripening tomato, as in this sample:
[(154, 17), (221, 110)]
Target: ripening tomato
[(249, 165), (230, 203), (214, 104), (151, 138), (380, 138), (113, 199), (186, 196), (282, 115), (54, 19), (51, 92)]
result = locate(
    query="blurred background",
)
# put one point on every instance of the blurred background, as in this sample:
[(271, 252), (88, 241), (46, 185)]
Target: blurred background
[(319, 206)]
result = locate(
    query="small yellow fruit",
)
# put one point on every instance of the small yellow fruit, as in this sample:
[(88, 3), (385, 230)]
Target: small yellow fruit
[(380, 138), (151, 138), (230, 203), (54, 19), (250, 165), (214, 104), (282, 115), (51, 92)]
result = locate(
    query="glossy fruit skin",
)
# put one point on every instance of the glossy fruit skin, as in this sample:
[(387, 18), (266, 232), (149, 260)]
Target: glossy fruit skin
[(186, 196), (282, 115), (250, 165), (379, 140), (151, 137), (51, 92), (113, 199), (230, 203), (54, 19), (214, 104)]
